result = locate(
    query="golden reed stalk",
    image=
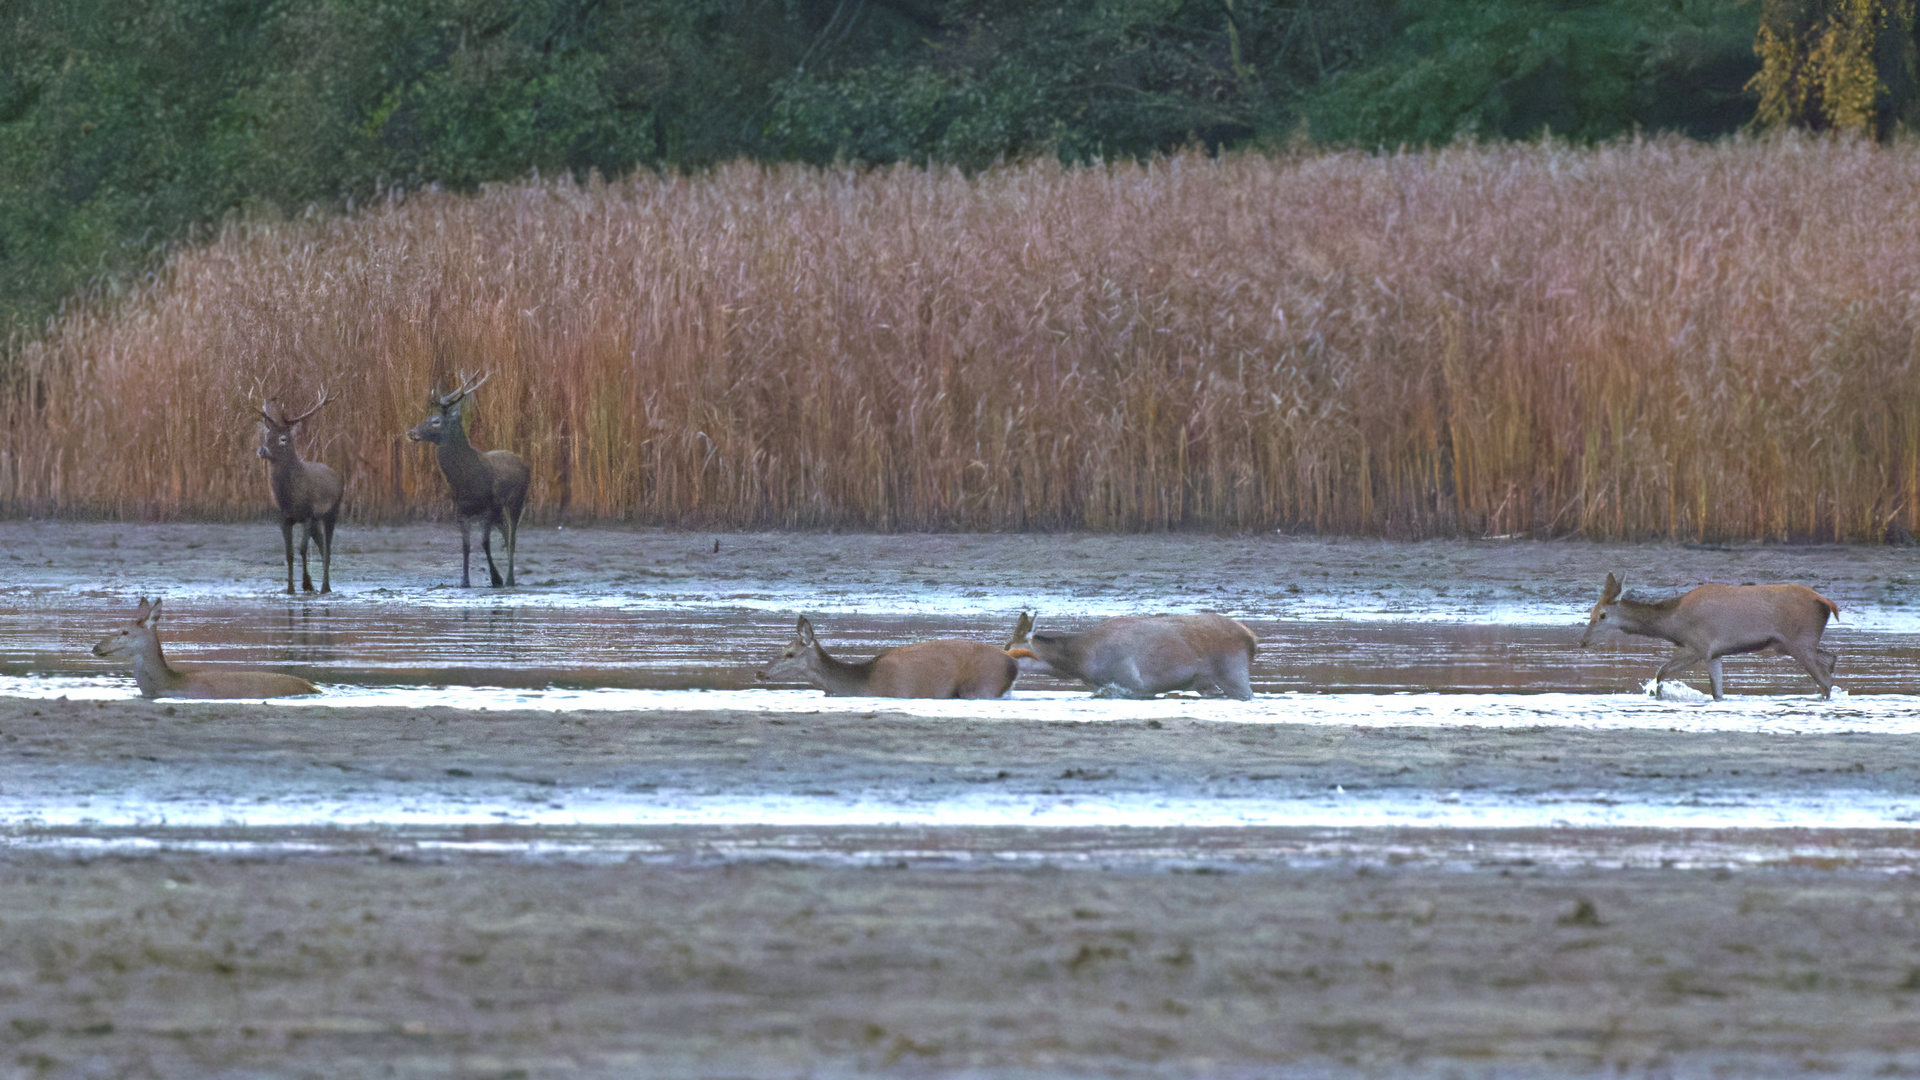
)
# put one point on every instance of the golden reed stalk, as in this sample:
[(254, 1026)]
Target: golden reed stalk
[(1648, 339)]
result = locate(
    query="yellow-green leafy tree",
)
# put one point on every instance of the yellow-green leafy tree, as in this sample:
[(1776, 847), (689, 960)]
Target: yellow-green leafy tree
[(1836, 65)]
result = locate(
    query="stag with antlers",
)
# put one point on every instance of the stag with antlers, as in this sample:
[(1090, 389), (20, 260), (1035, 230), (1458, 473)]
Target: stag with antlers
[(489, 489), (307, 492)]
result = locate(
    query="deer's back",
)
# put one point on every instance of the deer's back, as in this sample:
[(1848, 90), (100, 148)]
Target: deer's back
[(239, 684), (1168, 639), (948, 668), (1789, 611)]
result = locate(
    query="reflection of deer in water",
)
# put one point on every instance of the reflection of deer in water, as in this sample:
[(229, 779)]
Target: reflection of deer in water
[(489, 488), (925, 669), (307, 492), (1712, 621), (1138, 656), (139, 641)]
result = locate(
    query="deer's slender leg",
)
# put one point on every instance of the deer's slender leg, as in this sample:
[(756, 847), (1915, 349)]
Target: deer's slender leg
[(486, 547), (326, 554), (1827, 659), (306, 537), (510, 529), (1713, 675), (1817, 666), (466, 551), (1233, 677), (286, 537), (1683, 658)]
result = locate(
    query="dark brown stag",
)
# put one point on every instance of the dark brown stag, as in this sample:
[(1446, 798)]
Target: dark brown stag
[(307, 492), (489, 488)]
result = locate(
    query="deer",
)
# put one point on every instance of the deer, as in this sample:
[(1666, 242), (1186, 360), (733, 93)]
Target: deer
[(139, 640), (307, 492), (489, 488), (1140, 656), (946, 668), (1711, 621)]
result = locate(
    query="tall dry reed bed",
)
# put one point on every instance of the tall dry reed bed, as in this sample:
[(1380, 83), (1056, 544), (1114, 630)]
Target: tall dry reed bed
[(1647, 339)]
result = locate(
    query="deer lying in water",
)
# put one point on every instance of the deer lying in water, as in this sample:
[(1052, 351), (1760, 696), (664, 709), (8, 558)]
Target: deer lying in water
[(307, 492), (140, 641), (1712, 621), (489, 488), (925, 669), (1139, 656)]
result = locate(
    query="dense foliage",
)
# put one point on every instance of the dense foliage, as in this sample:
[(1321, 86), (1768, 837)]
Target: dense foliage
[(127, 125)]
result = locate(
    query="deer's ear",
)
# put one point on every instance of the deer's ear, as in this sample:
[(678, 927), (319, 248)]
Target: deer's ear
[(804, 630), (152, 615), (1611, 590)]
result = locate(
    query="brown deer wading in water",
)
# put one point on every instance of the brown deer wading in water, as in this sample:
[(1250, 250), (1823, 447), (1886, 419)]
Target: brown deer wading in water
[(1139, 656), (489, 489), (139, 641), (307, 492), (947, 668), (1712, 621)]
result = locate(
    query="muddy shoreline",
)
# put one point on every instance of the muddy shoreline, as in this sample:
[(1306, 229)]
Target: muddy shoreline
[(383, 965), (821, 888)]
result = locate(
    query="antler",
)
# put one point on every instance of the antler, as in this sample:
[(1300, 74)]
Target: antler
[(266, 410), (309, 412), (465, 389)]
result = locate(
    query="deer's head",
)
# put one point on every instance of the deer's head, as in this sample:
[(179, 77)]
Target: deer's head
[(276, 435), (130, 638), (1020, 647), (1602, 615), (445, 414), (791, 664)]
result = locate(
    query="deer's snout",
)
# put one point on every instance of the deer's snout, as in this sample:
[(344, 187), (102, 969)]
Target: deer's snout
[(261, 451)]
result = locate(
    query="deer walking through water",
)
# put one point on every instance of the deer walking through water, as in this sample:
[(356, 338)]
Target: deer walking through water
[(1139, 656), (489, 488), (139, 641), (307, 492), (1712, 621), (946, 668)]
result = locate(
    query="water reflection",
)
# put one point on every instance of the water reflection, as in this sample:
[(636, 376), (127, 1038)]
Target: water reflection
[(723, 648)]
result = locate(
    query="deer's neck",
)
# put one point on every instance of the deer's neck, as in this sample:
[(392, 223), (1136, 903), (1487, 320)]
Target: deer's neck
[(150, 669), (840, 677), (284, 479), (1645, 619), (465, 469)]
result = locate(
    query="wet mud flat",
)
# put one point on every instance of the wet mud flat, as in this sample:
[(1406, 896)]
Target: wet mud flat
[(382, 965), (164, 947)]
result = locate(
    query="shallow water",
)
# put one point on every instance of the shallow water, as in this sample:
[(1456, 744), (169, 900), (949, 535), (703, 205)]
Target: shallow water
[(1360, 635)]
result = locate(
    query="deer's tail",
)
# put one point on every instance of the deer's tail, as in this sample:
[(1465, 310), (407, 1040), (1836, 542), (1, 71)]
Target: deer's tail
[(1832, 608)]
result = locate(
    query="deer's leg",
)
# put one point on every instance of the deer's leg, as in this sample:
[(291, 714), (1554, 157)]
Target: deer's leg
[(326, 554), (510, 529), (286, 537), (1713, 676), (1683, 658), (1820, 667), (486, 548), (306, 537), (466, 550), (1233, 675)]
